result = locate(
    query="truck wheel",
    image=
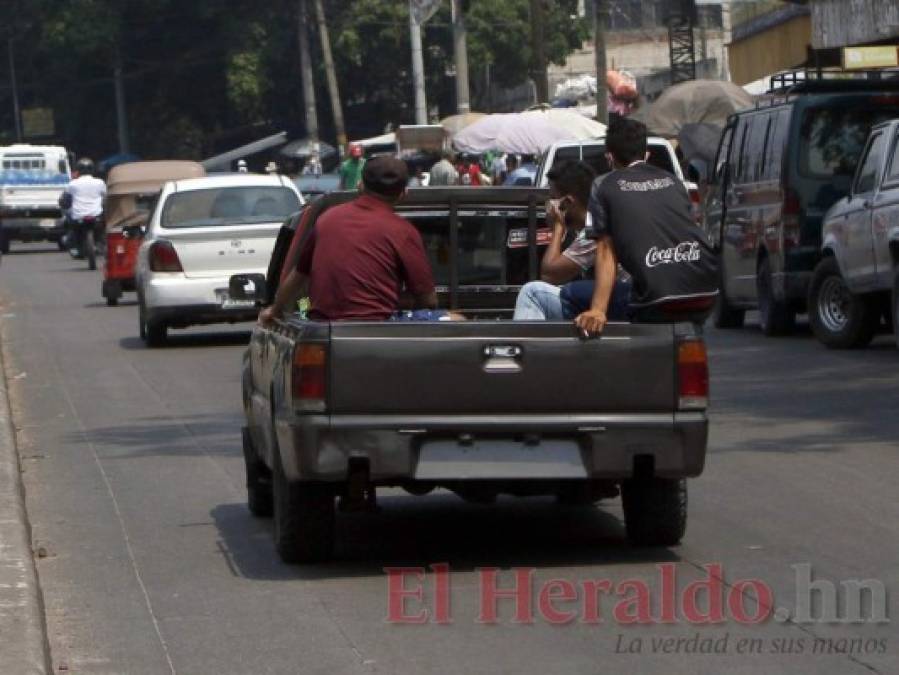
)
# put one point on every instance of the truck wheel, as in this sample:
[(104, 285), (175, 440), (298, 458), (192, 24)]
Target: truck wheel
[(839, 318), (4, 243), (259, 479), (727, 316), (775, 318), (895, 306), (304, 518), (655, 510)]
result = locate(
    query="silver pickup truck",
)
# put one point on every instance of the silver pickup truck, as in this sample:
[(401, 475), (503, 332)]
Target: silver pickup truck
[(857, 280), (482, 407)]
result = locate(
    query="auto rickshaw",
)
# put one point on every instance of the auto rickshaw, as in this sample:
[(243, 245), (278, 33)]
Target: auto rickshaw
[(131, 190)]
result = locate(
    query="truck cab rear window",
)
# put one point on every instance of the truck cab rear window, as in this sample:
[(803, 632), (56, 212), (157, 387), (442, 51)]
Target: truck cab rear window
[(484, 256)]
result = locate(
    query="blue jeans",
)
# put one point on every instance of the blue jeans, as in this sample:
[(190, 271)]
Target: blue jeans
[(538, 301), (576, 297)]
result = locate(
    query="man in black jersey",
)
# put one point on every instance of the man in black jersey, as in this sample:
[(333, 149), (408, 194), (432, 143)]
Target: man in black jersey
[(640, 217)]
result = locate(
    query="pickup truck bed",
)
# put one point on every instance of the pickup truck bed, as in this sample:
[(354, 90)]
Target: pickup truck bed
[(480, 407)]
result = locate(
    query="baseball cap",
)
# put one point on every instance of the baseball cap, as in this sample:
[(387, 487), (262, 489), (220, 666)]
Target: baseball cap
[(385, 175)]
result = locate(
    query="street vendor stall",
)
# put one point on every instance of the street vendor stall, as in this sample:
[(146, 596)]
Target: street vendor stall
[(526, 133)]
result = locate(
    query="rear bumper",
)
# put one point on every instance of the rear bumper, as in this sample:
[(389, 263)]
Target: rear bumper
[(319, 447), (193, 315), (180, 301), (49, 226)]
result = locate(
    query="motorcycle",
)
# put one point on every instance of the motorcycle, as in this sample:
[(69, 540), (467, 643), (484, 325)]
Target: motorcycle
[(86, 240)]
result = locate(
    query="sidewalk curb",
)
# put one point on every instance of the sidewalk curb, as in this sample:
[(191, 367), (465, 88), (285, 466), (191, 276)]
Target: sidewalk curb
[(24, 649)]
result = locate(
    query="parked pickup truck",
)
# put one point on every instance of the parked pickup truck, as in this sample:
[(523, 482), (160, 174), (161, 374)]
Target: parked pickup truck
[(857, 280), (481, 407)]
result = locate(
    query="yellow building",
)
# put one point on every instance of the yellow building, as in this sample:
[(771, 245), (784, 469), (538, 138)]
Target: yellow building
[(765, 44)]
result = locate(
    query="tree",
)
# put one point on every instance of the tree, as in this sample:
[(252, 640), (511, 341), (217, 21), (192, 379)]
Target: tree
[(204, 76)]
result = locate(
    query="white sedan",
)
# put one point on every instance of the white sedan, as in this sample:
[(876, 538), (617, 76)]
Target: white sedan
[(203, 231)]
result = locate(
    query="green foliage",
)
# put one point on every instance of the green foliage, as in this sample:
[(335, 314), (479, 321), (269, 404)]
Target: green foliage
[(197, 73)]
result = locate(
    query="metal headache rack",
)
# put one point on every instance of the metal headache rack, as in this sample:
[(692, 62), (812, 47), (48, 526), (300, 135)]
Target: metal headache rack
[(815, 79), (785, 86)]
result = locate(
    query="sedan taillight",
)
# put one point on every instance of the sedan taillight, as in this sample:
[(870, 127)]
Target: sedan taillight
[(164, 258)]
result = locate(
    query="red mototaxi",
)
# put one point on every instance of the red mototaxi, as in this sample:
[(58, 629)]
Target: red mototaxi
[(131, 190)]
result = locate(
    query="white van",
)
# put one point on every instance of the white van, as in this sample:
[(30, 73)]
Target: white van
[(32, 178)]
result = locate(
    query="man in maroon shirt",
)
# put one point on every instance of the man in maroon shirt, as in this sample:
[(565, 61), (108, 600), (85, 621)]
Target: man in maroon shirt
[(361, 260)]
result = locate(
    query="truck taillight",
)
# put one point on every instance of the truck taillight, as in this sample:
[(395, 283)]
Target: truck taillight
[(692, 375), (164, 258), (308, 377)]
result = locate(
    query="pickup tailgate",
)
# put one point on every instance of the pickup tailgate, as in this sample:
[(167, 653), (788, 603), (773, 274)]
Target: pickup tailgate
[(499, 368)]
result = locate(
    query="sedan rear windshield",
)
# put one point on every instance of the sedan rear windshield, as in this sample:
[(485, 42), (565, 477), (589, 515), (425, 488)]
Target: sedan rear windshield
[(229, 206), (832, 138)]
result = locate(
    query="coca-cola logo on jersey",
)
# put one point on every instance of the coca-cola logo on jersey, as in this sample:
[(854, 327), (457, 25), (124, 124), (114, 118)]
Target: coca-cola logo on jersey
[(687, 251)]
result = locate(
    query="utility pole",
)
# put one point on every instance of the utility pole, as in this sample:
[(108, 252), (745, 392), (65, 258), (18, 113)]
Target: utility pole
[(702, 19), (306, 73), (418, 67), (17, 114), (600, 20), (120, 107), (726, 36), (333, 91), (538, 51), (460, 49)]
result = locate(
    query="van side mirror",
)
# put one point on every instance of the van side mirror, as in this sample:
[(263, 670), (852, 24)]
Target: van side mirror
[(247, 287)]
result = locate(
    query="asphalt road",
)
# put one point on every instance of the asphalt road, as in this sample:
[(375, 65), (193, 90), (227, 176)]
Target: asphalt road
[(150, 563)]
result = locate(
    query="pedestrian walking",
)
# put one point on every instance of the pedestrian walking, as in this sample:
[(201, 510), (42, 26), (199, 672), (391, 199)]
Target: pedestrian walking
[(352, 167)]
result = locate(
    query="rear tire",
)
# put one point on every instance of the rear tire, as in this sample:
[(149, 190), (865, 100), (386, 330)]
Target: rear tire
[(725, 315), (4, 242), (839, 318), (112, 291), (152, 331), (895, 305), (156, 333), (141, 318), (90, 250), (775, 317), (304, 518), (259, 480), (655, 510)]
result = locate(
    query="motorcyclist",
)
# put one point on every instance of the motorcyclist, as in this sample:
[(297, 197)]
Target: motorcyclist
[(83, 200)]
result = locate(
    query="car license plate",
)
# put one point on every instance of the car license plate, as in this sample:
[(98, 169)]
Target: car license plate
[(228, 303), (47, 222), (499, 459)]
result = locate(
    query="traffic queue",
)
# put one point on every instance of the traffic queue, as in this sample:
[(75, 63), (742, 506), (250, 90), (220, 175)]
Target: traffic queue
[(798, 193)]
